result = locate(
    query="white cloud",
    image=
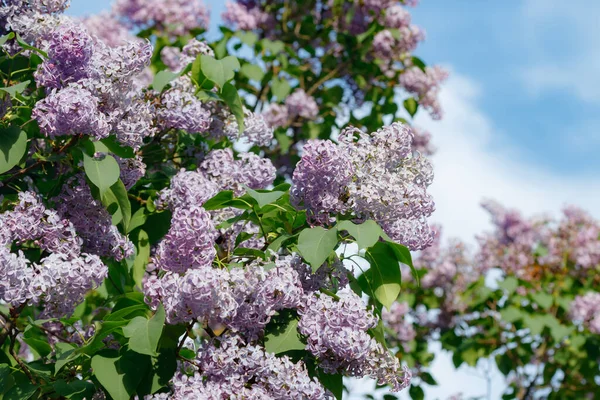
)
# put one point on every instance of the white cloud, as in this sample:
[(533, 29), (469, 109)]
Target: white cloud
[(468, 169), (562, 38)]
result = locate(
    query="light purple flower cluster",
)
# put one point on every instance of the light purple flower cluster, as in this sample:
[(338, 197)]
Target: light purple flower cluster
[(200, 294), (586, 309), (250, 169), (230, 368), (321, 179), (422, 142), (182, 110), (132, 170), (176, 60), (276, 115), (177, 17), (395, 319), (187, 188), (514, 246), (189, 244), (246, 15), (106, 28), (60, 280), (336, 332), (91, 220), (70, 111), (301, 104), (374, 176), (425, 85), (95, 87)]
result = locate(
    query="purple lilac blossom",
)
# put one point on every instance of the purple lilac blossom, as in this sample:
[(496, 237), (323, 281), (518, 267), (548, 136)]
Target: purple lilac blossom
[(425, 86), (301, 104), (189, 244), (91, 220)]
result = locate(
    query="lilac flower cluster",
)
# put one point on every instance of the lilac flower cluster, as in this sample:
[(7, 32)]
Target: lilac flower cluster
[(91, 220), (95, 88), (422, 142), (177, 17), (395, 319), (321, 179), (257, 130), (336, 332), (132, 170), (182, 110), (425, 85), (61, 279), (372, 176), (518, 245), (189, 244), (586, 309), (106, 28), (301, 104), (188, 188), (176, 60), (250, 170), (230, 368), (246, 15)]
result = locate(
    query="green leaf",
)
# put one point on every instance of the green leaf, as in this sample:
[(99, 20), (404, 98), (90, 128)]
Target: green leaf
[(253, 72), (5, 38), (4, 376), (542, 299), (282, 334), (102, 173), (219, 71), (116, 148), (162, 79), (231, 97), (15, 89), (117, 202), (511, 314), (138, 219), (384, 274), (264, 197), (510, 284), (65, 353), (280, 88), (416, 392), (365, 234), (142, 254), (273, 46), (315, 245), (218, 201), (144, 334), (76, 390), (37, 341), (120, 375), (13, 145), (411, 106), (403, 255), (22, 391), (249, 38), (334, 383), (428, 379)]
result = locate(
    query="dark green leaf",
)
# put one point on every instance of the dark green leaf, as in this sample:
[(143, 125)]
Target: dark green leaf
[(13, 145), (231, 97), (76, 390), (416, 393), (219, 200), (334, 383), (384, 274), (282, 334)]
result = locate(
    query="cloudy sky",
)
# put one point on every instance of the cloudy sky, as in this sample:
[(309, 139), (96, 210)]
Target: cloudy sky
[(521, 115)]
